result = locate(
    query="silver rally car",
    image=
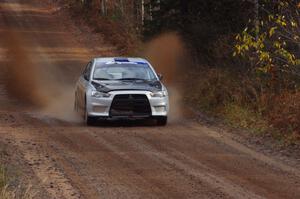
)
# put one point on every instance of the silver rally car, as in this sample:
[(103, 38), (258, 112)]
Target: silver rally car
[(111, 88)]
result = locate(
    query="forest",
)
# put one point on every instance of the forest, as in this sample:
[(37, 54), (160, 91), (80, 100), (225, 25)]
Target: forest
[(243, 55)]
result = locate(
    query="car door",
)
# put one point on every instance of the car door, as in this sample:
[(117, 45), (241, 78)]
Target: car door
[(83, 84)]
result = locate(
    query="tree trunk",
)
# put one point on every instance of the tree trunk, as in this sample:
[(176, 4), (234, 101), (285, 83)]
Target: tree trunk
[(103, 8), (256, 17), (143, 12)]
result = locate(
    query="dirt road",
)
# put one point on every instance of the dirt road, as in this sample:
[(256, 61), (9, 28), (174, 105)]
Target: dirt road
[(69, 160)]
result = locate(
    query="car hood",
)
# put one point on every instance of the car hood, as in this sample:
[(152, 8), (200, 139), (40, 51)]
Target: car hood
[(107, 86)]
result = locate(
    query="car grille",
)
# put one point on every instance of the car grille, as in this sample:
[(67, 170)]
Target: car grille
[(135, 105)]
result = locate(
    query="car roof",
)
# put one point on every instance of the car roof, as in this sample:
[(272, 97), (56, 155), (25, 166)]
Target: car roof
[(121, 59)]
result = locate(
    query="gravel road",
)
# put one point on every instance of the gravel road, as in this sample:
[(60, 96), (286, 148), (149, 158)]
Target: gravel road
[(124, 159)]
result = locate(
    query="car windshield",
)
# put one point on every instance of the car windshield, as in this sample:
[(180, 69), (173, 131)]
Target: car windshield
[(124, 71)]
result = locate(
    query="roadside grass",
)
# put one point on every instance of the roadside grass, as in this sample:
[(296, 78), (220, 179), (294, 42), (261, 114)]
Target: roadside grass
[(12, 189), (242, 117), (5, 193), (3, 177), (235, 99), (8, 193)]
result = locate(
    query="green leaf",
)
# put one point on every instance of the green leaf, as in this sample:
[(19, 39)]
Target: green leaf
[(272, 31)]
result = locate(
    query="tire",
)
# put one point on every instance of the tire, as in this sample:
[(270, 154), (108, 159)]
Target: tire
[(161, 121), (89, 120), (75, 105)]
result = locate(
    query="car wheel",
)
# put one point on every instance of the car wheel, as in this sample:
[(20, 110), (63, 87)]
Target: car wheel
[(75, 105), (162, 121), (89, 120)]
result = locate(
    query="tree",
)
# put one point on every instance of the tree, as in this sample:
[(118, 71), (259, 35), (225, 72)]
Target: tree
[(86, 3), (273, 46), (200, 22)]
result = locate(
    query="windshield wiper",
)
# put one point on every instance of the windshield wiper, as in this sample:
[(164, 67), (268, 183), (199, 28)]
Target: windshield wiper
[(133, 79), (101, 79)]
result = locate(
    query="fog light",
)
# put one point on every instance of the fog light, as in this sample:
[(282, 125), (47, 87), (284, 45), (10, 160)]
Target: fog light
[(99, 109), (160, 108)]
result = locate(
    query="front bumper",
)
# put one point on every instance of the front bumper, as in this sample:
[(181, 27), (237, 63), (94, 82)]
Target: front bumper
[(100, 107)]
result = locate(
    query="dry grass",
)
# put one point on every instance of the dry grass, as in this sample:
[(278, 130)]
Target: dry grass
[(243, 103), (238, 116), (13, 192), (285, 115), (8, 193), (3, 177)]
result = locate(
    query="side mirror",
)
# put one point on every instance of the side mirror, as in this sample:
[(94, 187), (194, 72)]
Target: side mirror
[(160, 77)]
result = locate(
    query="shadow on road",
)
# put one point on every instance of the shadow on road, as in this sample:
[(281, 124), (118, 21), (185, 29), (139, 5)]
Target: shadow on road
[(125, 123)]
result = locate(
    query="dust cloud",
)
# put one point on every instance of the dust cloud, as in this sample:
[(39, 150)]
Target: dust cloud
[(62, 107), (32, 78), (21, 73), (167, 54)]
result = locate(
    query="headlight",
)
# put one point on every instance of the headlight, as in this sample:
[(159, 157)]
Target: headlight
[(159, 94), (98, 94)]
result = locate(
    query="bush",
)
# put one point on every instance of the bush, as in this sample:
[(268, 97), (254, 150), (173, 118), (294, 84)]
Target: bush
[(285, 115), (227, 95)]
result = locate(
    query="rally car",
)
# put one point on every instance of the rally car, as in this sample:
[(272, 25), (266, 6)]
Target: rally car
[(116, 88)]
